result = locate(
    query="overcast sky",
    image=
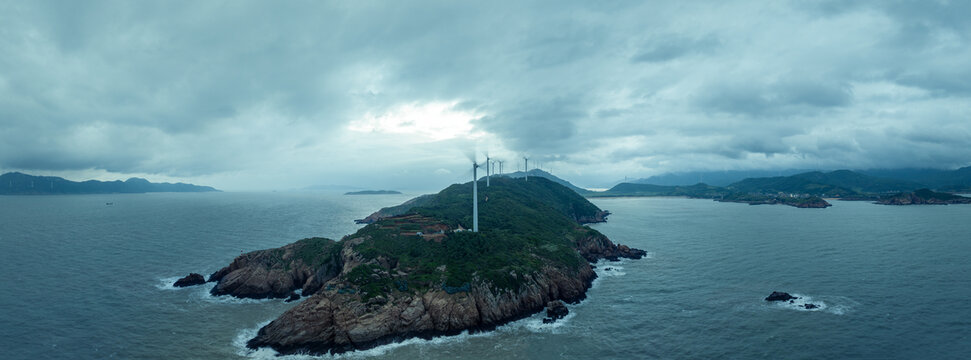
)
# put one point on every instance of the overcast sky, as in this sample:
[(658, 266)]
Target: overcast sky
[(396, 94)]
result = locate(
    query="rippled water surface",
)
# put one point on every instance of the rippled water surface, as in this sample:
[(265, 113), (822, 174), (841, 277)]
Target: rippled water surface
[(84, 280)]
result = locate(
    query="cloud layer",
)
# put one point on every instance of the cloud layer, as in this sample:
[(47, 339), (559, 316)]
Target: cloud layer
[(253, 95)]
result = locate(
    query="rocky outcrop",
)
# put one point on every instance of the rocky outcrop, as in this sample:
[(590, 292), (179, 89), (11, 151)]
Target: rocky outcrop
[(276, 273), (555, 310), (190, 280), (599, 217), (780, 296), (595, 246), (336, 321)]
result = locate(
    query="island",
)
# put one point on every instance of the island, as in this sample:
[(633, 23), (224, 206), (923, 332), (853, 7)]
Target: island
[(803, 190), (15, 183), (924, 197), (373, 192), (421, 272)]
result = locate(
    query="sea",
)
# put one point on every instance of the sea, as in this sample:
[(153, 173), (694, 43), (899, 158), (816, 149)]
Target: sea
[(89, 277)]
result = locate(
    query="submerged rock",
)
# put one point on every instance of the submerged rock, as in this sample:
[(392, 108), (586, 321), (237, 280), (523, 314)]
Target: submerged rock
[(293, 297), (780, 296), (190, 280), (811, 306)]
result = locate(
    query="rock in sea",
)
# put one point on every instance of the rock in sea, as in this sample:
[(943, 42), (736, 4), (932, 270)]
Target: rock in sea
[(190, 280), (555, 310), (780, 296)]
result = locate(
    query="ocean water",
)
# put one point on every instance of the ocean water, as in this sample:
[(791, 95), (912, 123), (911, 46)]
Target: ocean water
[(80, 279)]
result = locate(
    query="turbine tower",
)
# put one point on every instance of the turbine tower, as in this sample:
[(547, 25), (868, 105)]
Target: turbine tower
[(526, 167), (487, 170), (475, 199)]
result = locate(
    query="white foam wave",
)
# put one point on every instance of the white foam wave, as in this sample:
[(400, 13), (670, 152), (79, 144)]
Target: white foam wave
[(204, 293), (827, 305), (606, 269), (167, 283)]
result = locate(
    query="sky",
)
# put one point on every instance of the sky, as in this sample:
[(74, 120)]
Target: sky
[(277, 95)]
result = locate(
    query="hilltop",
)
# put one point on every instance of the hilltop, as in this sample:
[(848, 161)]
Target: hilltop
[(420, 272), (15, 183), (543, 174)]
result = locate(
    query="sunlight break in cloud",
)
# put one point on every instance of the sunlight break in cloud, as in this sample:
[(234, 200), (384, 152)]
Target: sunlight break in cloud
[(434, 121)]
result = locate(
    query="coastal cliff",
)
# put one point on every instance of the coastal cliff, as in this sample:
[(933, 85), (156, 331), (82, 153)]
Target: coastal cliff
[(420, 274)]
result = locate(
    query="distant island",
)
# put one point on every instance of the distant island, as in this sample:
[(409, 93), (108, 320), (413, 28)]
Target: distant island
[(808, 190), (924, 197), (417, 270), (15, 183), (373, 192)]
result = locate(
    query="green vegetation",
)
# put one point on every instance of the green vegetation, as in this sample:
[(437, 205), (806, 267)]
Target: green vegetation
[(317, 251), (523, 227), (928, 194)]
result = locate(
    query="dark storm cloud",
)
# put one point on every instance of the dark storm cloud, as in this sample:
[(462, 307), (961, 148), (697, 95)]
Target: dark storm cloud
[(787, 96), (244, 89), (541, 125)]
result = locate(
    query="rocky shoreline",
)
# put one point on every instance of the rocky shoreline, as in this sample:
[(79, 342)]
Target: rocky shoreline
[(335, 321)]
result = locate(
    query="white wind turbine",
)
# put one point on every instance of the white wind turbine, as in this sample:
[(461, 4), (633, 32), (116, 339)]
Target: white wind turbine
[(526, 167), (475, 198)]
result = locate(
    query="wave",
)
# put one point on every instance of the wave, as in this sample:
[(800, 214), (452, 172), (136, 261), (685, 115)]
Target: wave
[(166, 283), (204, 293), (832, 305), (607, 269)]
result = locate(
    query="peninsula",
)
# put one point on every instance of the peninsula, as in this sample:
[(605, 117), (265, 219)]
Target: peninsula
[(15, 183), (420, 272)]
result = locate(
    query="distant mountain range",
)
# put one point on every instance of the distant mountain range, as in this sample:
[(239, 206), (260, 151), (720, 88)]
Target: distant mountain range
[(716, 178), (944, 180), (15, 183), (840, 183), (544, 174)]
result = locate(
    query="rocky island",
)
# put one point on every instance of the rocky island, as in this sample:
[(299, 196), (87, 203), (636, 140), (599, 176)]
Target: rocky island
[(420, 273), (924, 197)]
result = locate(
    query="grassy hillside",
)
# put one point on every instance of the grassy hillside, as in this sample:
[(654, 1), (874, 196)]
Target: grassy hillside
[(523, 227)]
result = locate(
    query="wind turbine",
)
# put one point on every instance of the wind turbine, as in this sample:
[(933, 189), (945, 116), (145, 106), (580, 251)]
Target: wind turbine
[(526, 167), (500, 167), (487, 169), (475, 198)]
